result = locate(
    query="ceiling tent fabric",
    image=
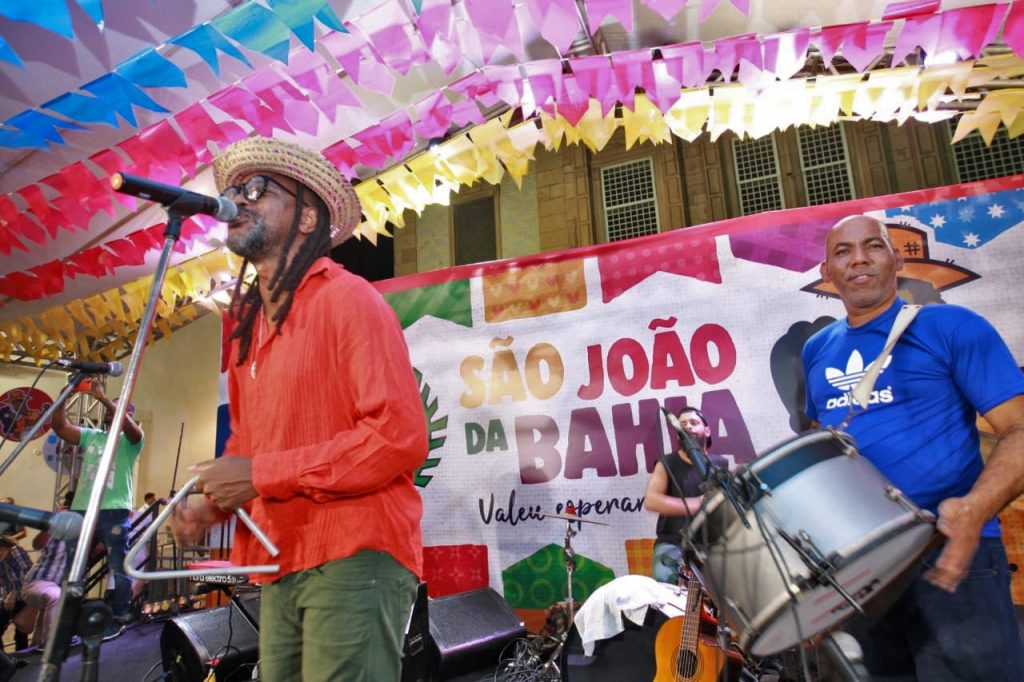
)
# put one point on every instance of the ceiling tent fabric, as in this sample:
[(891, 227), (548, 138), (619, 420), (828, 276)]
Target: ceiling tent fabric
[(155, 88)]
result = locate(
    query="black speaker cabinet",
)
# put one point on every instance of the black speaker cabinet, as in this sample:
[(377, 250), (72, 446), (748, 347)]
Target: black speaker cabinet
[(188, 642), (627, 656), (468, 632)]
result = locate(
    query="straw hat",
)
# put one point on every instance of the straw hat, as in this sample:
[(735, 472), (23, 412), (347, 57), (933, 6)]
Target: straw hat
[(311, 168)]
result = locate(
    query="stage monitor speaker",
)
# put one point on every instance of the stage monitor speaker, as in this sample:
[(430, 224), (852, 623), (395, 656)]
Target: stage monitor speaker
[(188, 642), (468, 632)]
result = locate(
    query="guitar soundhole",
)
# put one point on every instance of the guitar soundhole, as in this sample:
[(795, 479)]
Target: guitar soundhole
[(686, 665)]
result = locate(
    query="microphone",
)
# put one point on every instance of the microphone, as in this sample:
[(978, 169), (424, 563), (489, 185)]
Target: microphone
[(181, 200), (700, 460), (62, 525), (114, 369)]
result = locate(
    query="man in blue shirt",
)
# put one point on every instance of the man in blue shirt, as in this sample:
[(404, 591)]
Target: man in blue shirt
[(956, 620)]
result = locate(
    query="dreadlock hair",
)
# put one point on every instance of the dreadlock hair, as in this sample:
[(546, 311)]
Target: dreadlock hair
[(245, 306)]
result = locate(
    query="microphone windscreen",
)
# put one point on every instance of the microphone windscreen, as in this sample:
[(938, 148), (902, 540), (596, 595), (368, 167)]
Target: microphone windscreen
[(66, 525), (227, 210)]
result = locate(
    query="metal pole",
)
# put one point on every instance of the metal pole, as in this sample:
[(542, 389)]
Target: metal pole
[(73, 588)]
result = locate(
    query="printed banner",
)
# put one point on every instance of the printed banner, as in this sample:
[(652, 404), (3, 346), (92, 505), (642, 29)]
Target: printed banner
[(543, 376)]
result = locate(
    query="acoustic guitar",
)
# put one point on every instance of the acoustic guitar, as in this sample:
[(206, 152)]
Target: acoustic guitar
[(682, 652)]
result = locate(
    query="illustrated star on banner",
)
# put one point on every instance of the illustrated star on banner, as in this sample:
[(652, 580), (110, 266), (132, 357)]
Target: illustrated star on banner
[(968, 222)]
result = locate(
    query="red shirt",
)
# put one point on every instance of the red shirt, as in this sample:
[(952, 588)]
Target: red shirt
[(334, 424)]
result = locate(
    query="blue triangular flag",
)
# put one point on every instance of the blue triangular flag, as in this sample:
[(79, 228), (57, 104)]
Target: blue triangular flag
[(257, 28), (94, 8), (205, 40), (298, 15), (150, 69), (120, 95), (52, 15), (83, 109), (38, 124), (8, 54)]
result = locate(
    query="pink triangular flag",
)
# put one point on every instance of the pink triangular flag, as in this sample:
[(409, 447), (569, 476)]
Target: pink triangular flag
[(434, 20), (496, 26), (921, 30), (966, 31), (706, 8), (864, 46), (786, 53), (594, 77), (621, 10), (1013, 30), (545, 78), (433, 116), (558, 21), (666, 8)]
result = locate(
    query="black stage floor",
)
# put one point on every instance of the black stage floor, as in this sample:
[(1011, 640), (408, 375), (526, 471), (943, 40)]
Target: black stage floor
[(125, 659), (135, 657)]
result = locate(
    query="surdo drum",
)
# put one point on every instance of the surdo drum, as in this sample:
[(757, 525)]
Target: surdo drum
[(825, 527)]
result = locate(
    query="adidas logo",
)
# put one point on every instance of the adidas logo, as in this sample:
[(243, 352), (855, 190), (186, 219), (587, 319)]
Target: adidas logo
[(845, 380)]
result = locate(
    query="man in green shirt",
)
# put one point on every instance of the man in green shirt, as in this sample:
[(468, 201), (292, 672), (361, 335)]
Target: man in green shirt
[(119, 497)]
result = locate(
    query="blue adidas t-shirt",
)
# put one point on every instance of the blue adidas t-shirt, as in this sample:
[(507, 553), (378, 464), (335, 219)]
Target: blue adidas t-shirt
[(919, 428)]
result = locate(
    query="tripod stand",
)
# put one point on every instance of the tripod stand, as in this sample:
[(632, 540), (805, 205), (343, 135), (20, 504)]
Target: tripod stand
[(551, 667)]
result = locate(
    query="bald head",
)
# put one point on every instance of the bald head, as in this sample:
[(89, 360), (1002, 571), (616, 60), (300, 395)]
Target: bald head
[(853, 220)]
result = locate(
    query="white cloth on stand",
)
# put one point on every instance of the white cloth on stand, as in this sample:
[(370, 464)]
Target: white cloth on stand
[(600, 617)]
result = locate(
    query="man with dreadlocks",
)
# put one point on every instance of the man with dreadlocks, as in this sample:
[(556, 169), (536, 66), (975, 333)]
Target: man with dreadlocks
[(327, 427)]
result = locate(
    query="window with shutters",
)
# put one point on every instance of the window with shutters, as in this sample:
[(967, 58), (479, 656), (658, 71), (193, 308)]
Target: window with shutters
[(825, 163), (976, 161), (756, 162), (630, 202)]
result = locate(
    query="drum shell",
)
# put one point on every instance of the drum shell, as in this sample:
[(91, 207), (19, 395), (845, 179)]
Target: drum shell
[(818, 486)]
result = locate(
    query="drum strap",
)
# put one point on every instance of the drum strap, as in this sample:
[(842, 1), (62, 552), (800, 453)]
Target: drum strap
[(861, 393)]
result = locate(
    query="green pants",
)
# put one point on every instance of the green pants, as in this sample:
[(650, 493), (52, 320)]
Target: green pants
[(343, 621)]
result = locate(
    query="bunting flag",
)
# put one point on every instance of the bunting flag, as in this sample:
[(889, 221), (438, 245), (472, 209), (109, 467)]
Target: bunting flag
[(99, 326), (489, 150), (376, 43), (650, 94), (449, 301)]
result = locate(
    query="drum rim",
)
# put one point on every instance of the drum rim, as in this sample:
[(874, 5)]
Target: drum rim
[(789, 446), (774, 453), (760, 623)]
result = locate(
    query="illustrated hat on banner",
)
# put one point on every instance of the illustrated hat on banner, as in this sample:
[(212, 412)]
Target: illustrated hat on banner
[(311, 168), (913, 244)]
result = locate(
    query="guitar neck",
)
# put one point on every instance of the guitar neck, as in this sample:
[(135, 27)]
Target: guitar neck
[(691, 622)]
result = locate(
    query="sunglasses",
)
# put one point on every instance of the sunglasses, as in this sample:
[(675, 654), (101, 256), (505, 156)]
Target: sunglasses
[(252, 189)]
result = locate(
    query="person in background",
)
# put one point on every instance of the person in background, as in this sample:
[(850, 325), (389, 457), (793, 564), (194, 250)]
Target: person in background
[(42, 586), (14, 564), (674, 506), (119, 496)]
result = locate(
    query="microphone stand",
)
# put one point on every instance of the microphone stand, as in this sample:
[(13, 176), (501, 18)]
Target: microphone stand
[(708, 471), (39, 423), (91, 618)]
